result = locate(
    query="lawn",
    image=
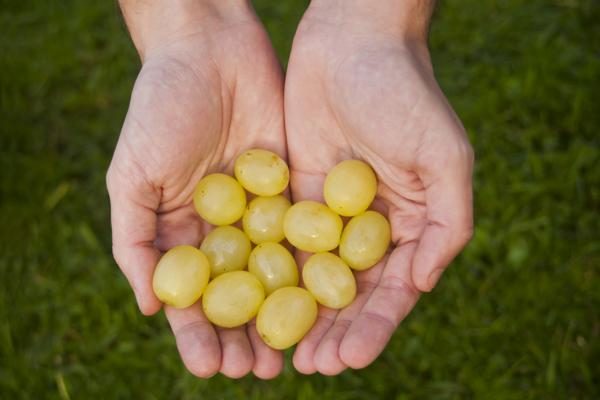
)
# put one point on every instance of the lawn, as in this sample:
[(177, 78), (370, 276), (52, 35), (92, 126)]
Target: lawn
[(516, 316)]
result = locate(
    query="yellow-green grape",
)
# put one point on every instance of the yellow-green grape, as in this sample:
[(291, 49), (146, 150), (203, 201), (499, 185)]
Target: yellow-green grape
[(262, 172), (286, 316), (263, 219), (329, 279), (219, 199), (227, 249), (274, 266), (365, 240), (311, 226), (232, 299), (181, 276), (350, 187)]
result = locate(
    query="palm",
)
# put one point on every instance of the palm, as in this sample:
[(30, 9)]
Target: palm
[(370, 97), (193, 109), (185, 121)]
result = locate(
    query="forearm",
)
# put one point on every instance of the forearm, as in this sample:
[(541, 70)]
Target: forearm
[(156, 23), (407, 18)]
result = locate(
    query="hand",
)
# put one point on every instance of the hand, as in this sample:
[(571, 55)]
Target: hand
[(209, 88), (360, 85)]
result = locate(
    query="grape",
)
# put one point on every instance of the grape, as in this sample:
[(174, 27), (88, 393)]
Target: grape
[(227, 249), (181, 276), (329, 279), (263, 219), (219, 199), (286, 316), (311, 226), (365, 240), (350, 187), (274, 266), (262, 172), (232, 299)]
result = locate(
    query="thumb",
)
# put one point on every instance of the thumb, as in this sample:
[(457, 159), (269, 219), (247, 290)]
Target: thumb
[(448, 197), (133, 218)]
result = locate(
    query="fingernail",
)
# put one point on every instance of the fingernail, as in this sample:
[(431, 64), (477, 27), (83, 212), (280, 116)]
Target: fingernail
[(434, 277)]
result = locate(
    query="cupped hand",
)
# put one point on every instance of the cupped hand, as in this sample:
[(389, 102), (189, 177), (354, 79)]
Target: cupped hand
[(355, 90), (201, 98)]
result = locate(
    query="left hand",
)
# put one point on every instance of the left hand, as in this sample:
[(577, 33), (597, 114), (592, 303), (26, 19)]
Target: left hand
[(356, 89)]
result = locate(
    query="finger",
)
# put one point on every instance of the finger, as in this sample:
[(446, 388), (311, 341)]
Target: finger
[(237, 358), (389, 303), (327, 358), (197, 341), (307, 185), (304, 354), (268, 362), (133, 221), (449, 215)]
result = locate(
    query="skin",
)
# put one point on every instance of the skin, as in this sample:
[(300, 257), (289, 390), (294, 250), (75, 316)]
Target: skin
[(209, 88), (360, 85), (362, 72)]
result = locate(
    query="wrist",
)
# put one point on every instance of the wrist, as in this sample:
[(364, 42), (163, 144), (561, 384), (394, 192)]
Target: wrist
[(155, 24), (406, 19)]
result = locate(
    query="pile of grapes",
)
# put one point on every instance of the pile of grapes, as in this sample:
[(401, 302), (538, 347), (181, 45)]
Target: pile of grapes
[(268, 289)]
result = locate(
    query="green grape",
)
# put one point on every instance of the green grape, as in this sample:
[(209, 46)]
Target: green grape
[(365, 240), (274, 266), (227, 249), (311, 226), (263, 219), (329, 279), (350, 187), (262, 172), (232, 299), (181, 276), (219, 199), (286, 316)]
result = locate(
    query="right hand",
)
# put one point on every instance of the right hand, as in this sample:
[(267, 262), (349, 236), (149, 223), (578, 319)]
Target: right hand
[(210, 87)]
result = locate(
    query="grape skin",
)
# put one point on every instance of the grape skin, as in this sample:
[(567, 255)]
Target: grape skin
[(329, 279), (219, 199), (350, 187), (365, 240), (227, 249), (274, 266), (181, 276), (286, 316), (232, 299), (311, 226), (262, 172), (263, 219)]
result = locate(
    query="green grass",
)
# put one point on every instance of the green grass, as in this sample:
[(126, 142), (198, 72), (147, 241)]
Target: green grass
[(516, 317)]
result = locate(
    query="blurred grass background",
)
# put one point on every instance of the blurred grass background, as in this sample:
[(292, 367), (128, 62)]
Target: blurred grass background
[(516, 317)]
